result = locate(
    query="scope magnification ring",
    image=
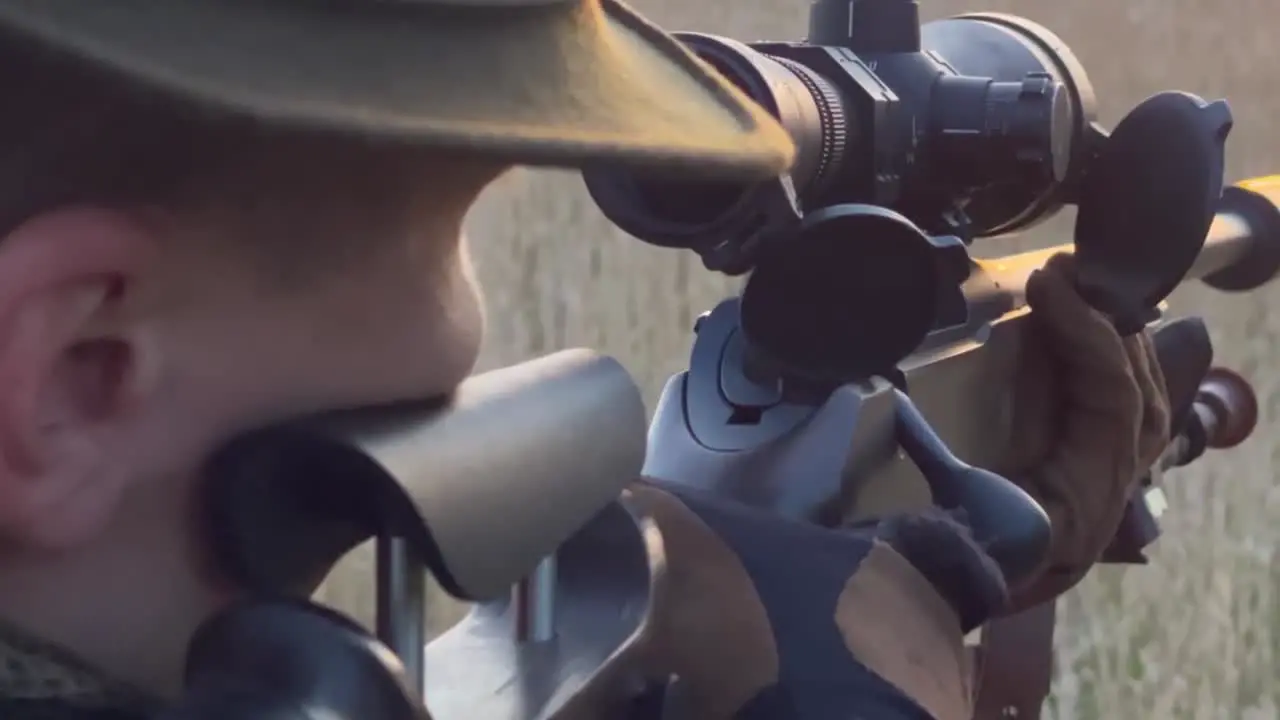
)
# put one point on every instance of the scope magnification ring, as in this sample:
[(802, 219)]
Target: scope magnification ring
[(834, 131)]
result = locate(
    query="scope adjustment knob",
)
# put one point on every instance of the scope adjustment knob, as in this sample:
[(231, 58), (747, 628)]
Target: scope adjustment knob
[(856, 291)]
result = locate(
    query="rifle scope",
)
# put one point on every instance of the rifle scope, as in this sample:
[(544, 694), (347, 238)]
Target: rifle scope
[(914, 140), (973, 126)]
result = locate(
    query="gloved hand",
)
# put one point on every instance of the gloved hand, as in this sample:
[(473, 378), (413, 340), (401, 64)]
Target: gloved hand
[(765, 618), (291, 660), (1091, 415)]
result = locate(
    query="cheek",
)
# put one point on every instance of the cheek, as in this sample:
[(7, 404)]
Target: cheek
[(467, 315), (461, 327), (244, 361), (383, 335), (423, 343)]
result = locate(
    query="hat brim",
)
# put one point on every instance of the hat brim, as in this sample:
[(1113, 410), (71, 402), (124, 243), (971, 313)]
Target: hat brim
[(567, 84)]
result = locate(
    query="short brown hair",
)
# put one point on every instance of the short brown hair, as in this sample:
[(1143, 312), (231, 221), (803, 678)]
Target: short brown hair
[(73, 133)]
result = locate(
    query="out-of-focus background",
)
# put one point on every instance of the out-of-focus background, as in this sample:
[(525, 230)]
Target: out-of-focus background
[(1196, 634)]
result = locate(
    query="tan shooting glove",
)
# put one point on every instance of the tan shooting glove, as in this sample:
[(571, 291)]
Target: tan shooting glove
[(1091, 416), (760, 617)]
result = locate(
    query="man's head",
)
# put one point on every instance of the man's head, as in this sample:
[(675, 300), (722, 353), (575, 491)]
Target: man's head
[(201, 232), (178, 275), (170, 278)]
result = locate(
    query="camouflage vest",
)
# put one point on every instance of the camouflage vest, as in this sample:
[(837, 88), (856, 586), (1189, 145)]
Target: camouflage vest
[(39, 681)]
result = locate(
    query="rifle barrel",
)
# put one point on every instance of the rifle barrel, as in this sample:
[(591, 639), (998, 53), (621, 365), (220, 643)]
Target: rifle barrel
[(1227, 243), (1241, 251)]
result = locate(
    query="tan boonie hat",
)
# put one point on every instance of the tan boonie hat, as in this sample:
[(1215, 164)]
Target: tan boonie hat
[(555, 82)]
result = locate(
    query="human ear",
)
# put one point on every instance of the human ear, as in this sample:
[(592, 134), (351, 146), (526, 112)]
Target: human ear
[(71, 360)]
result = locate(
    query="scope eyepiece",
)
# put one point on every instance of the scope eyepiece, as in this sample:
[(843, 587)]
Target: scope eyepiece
[(725, 221)]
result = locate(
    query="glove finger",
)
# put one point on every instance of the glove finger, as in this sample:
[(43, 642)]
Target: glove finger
[(1153, 432), (1033, 424), (1101, 397), (939, 544), (1160, 406), (1139, 363), (1083, 339), (1087, 478)]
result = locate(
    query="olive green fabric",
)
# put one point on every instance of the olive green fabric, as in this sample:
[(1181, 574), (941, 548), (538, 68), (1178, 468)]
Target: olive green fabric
[(568, 83), (39, 681)]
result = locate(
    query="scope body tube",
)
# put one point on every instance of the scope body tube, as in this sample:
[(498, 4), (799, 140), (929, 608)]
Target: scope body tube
[(1241, 250)]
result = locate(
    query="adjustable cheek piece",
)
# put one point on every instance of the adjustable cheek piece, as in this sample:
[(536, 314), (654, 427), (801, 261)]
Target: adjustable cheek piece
[(478, 490)]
